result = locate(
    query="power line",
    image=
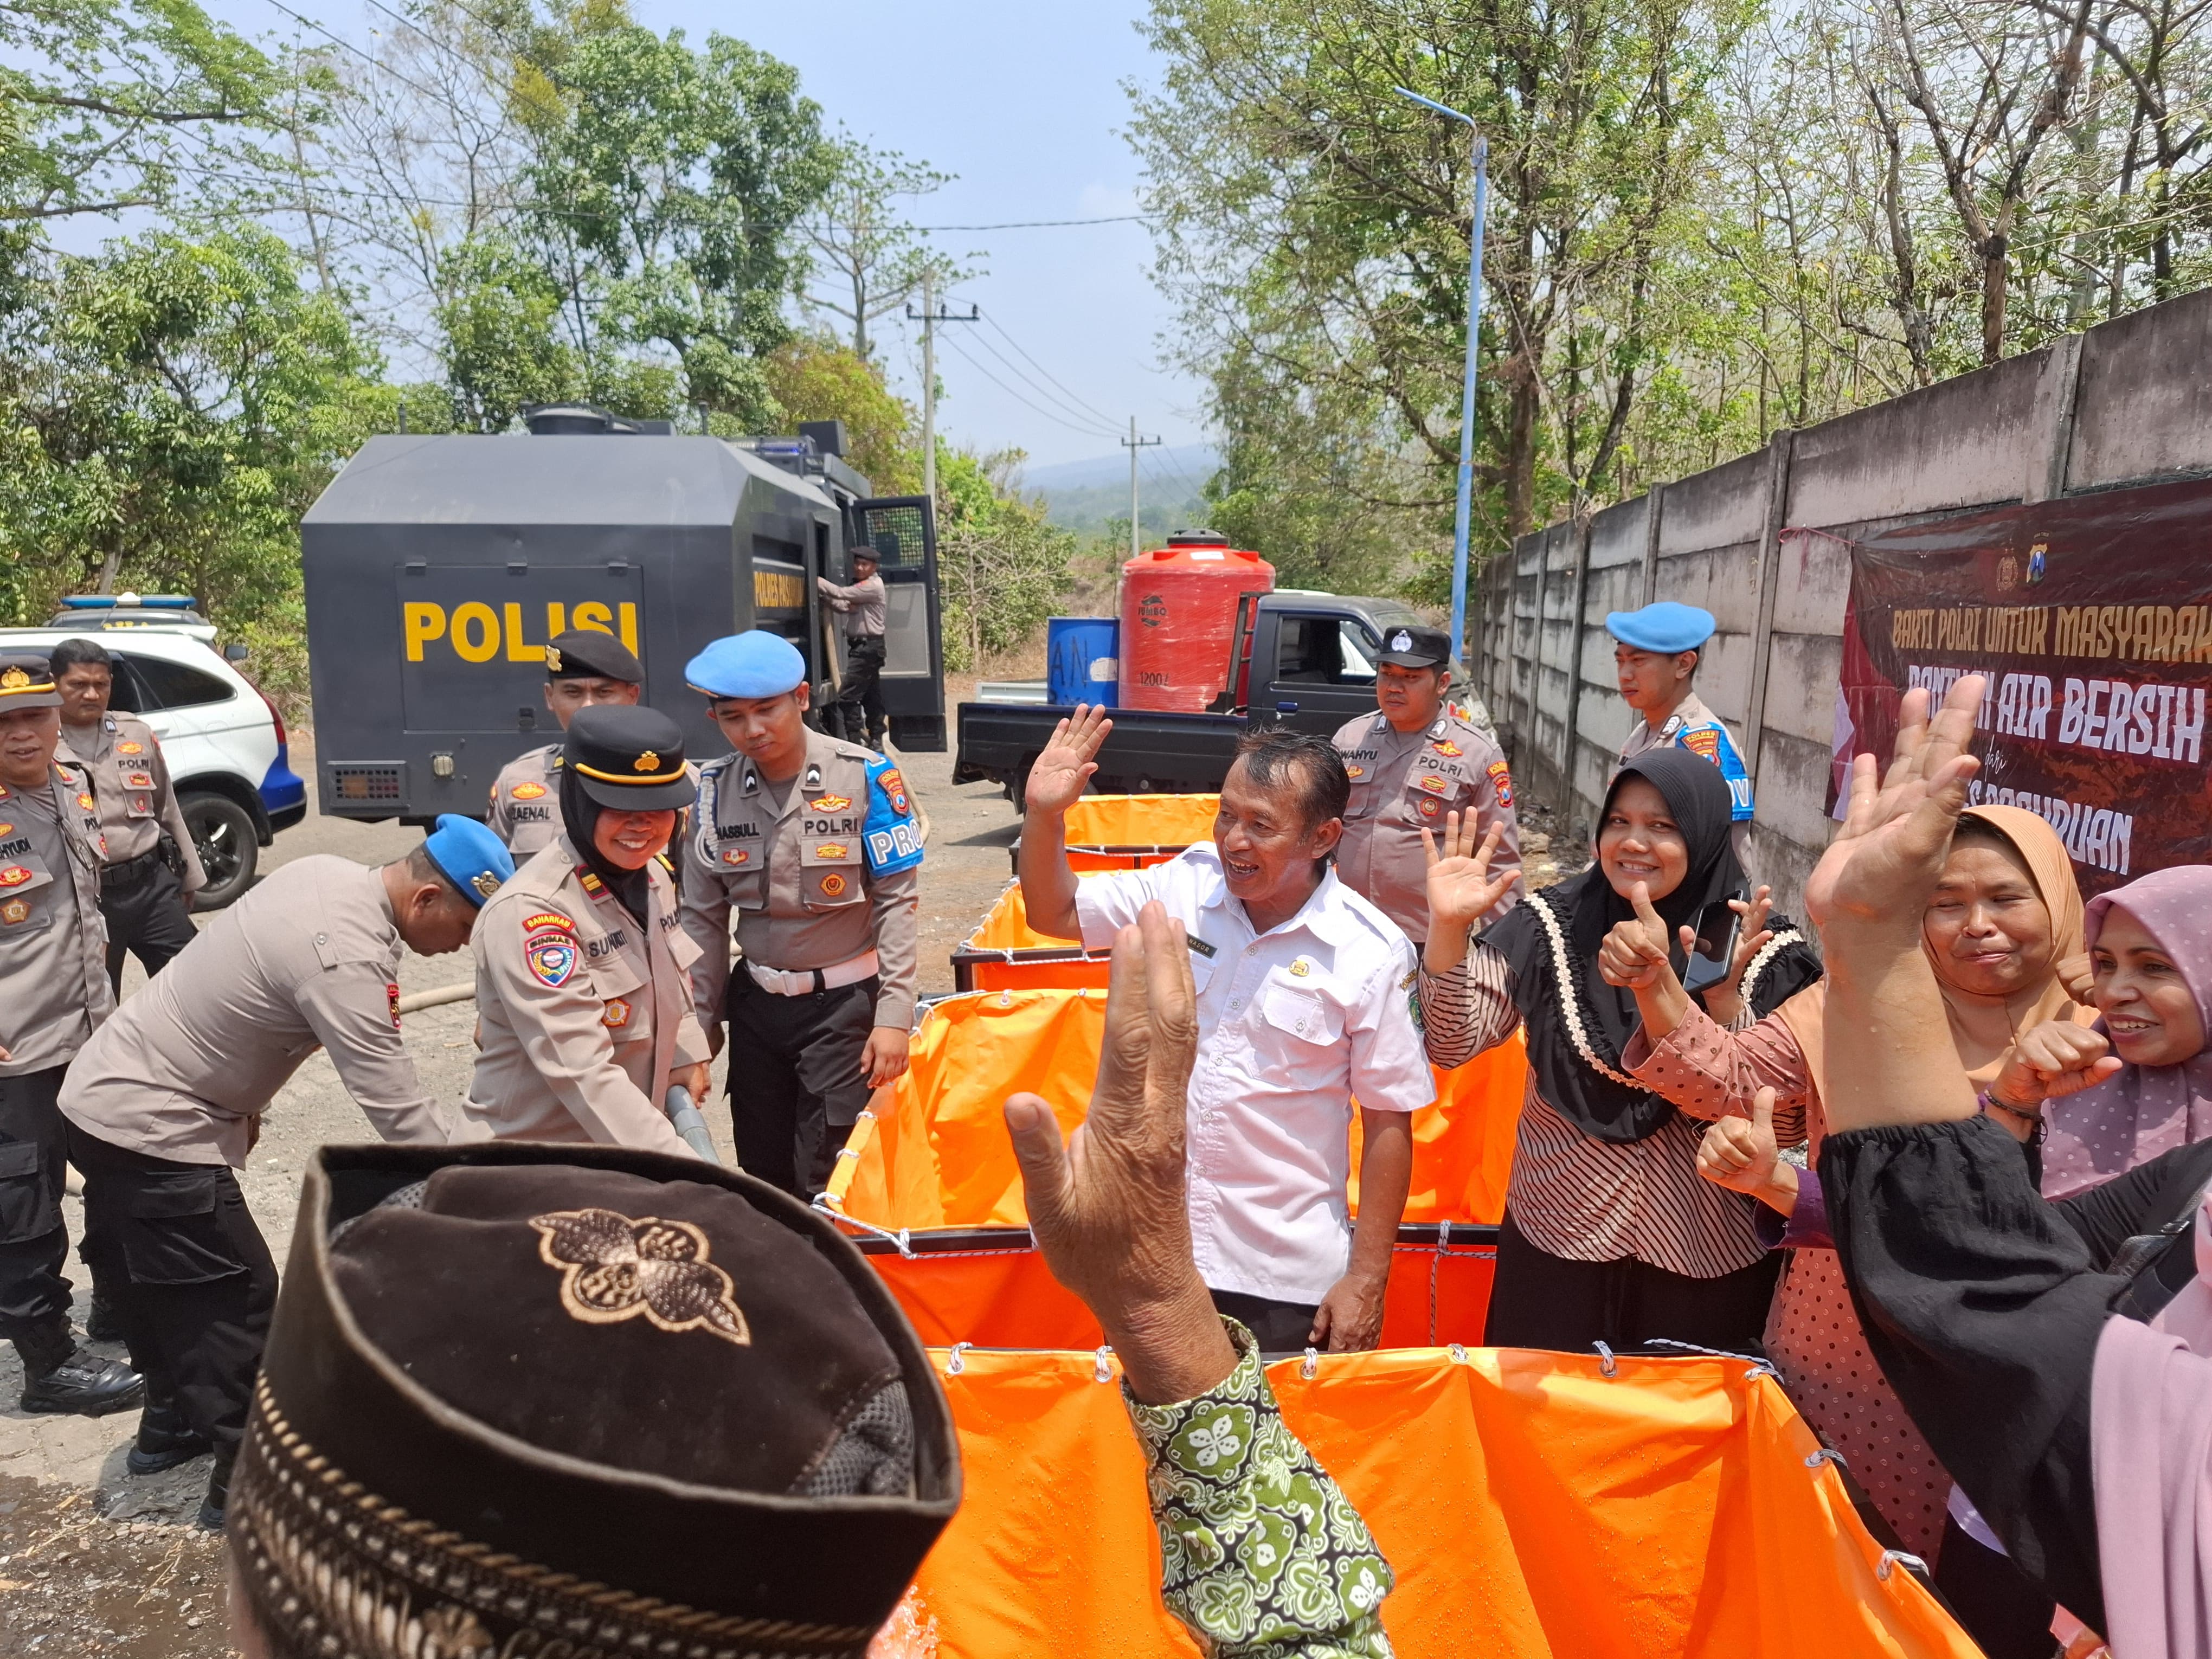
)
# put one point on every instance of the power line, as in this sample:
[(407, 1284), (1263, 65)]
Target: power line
[(1088, 432), (1015, 369), (1087, 408), (1042, 224)]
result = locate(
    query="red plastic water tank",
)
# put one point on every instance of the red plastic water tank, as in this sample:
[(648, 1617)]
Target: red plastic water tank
[(1178, 617)]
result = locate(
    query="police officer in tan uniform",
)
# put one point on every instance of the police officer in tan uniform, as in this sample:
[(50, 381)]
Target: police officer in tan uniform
[(582, 985), (810, 844), (1411, 762), (857, 716), (53, 995), (166, 1101), (148, 904), (584, 669)]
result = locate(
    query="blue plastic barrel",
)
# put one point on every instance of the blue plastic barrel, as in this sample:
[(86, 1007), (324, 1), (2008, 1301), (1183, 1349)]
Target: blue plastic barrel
[(1082, 657)]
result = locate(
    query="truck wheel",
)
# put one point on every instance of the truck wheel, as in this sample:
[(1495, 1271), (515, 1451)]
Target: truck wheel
[(228, 846)]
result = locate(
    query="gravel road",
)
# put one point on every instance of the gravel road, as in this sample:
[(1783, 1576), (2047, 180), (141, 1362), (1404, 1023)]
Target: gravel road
[(93, 1561)]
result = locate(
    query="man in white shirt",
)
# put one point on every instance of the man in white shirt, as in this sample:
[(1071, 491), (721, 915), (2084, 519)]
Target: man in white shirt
[(1303, 1001)]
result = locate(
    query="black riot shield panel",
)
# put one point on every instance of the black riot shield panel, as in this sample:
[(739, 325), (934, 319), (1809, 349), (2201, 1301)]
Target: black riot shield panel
[(903, 530)]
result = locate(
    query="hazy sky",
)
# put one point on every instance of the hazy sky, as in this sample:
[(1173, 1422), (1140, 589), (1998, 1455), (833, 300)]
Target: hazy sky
[(1024, 101)]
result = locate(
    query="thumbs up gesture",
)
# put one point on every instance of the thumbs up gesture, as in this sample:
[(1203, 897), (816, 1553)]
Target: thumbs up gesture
[(1634, 954), (1739, 1153)]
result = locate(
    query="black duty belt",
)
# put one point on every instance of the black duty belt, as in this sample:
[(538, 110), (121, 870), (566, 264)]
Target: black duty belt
[(861, 642), (130, 870)]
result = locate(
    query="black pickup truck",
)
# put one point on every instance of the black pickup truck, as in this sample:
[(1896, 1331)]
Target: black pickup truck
[(1298, 658)]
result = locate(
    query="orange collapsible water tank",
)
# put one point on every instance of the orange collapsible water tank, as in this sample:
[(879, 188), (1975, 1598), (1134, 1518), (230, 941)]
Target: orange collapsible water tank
[(1178, 615)]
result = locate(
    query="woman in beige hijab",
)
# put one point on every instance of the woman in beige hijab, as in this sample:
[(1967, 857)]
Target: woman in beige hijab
[(2005, 917)]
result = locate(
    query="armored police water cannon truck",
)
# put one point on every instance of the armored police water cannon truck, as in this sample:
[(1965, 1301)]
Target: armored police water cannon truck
[(437, 568)]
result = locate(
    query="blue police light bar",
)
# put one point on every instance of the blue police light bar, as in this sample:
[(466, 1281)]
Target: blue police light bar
[(144, 601)]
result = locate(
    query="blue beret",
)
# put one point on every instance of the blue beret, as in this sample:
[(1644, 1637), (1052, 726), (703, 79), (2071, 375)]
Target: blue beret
[(1665, 627), (469, 856), (751, 664)]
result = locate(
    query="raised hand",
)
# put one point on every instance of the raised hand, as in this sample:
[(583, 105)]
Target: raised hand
[(1462, 890), (1739, 1153), (1066, 763), (1634, 954), (1752, 933), (1107, 1208), (2051, 1061), (1885, 860)]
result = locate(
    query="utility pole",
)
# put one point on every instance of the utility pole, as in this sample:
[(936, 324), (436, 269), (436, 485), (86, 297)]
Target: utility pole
[(930, 315), (1133, 443)]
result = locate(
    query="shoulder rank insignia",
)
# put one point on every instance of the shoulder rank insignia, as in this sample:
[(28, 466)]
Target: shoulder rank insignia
[(813, 776), (590, 882)]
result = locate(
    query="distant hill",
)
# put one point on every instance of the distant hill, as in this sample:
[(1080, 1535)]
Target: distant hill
[(1084, 495)]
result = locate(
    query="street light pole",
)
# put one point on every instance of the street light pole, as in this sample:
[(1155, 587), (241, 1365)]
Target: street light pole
[(1463, 512)]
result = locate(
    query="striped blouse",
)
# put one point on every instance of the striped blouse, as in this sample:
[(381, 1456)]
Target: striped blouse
[(1575, 1196)]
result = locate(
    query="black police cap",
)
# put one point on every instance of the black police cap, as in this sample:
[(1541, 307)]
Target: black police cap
[(586, 653), (1411, 645), (628, 758)]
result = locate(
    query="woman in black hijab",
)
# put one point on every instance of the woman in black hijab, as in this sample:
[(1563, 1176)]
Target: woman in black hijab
[(1609, 1236)]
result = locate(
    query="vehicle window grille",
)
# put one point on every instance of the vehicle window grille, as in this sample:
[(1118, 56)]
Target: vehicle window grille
[(895, 534), (368, 783)]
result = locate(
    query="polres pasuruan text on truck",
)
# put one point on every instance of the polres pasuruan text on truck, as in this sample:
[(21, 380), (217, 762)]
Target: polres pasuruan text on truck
[(437, 568)]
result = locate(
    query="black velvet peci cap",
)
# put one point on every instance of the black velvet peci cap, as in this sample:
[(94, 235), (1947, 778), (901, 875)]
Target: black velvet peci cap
[(628, 758), (585, 654), (585, 1400)]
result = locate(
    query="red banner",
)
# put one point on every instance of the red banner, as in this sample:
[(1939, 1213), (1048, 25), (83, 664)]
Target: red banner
[(2093, 619)]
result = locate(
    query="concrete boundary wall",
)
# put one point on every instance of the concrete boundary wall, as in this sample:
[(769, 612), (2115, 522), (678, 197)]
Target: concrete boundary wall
[(2128, 403)]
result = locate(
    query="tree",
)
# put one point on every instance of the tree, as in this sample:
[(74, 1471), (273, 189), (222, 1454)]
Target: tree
[(869, 260), (108, 104), (169, 408), (497, 313), (812, 379), (1002, 565), (663, 189)]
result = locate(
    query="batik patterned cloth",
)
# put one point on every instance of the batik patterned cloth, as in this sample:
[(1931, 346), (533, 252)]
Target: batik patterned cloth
[(1261, 1553)]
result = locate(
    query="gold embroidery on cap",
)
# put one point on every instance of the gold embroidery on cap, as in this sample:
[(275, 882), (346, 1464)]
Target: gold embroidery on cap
[(15, 679), (613, 1268), (552, 658), (649, 762)]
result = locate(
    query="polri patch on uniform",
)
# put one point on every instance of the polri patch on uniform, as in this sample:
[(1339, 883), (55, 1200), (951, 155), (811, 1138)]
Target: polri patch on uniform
[(137, 780), (737, 856), (1355, 773), (617, 1015), (14, 875), (833, 884), (6, 829), (550, 955), (15, 911), (1430, 806), (829, 803), (1435, 782), (130, 748), (1502, 780), (831, 849), (1446, 746), (391, 998), (894, 788), (539, 918), (529, 790), (1706, 741), (86, 801)]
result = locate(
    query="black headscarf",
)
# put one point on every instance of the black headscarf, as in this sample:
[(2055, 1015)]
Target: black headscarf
[(1586, 909), (580, 817)]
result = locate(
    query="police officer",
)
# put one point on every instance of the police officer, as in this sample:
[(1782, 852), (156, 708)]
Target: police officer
[(584, 668), (858, 715), (167, 1099), (813, 843), (582, 961), (53, 995), (1411, 762), (147, 903), (1656, 650)]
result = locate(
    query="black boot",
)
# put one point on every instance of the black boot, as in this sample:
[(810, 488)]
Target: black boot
[(217, 1499), (100, 1321), (164, 1440), (61, 1378)]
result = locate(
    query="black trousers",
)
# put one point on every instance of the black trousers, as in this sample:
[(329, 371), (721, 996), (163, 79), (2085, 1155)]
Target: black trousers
[(1539, 1300), (189, 1275), (1277, 1327), (860, 716), (796, 1089), (33, 1295), (148, 917)]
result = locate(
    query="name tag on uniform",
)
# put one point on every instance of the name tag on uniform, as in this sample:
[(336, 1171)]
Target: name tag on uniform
[(1200, 947)]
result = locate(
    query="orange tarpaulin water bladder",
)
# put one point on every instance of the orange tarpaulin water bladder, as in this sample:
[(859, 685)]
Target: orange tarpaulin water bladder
[(1127, 832), (1532, 1506)]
